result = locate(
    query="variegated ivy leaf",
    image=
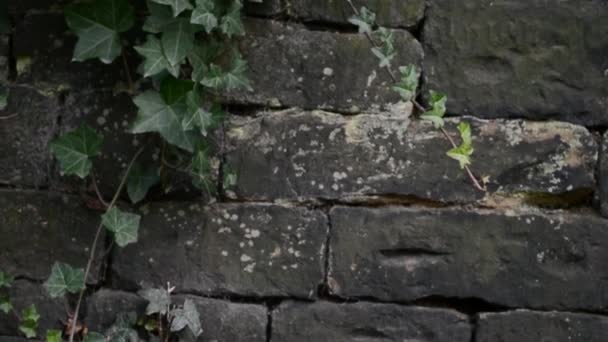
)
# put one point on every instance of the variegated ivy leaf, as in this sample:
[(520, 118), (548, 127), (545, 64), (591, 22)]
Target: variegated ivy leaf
[(408, 84), (140, 181), (438, 108), (64, 278), (29, 321), (177, 40), (187, 316), (159, 300), (159, 16), (386, 52), (98, 25), (364, 21), (203, 15), (231, 24), (178, 6), (463, 152), (200, 170), (154, 58), (124, 225), (155, 115), (75, 149)]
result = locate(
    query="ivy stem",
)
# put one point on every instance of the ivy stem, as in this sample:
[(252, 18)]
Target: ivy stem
[(99, 195), (96, 241), (418, 106), (128, 72)]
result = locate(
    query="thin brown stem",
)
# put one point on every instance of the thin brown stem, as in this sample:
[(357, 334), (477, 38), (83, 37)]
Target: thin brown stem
[(96, 241), (97, 192), (128, 72)]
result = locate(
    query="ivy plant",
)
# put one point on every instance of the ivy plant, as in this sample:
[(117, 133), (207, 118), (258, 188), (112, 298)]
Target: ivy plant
[(28, 318)]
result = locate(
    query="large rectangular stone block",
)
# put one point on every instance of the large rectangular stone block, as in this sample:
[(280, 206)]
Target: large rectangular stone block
[(542, 59), (244, 249), (290, 65), (531, 326), (302, 155), (331, 322), (530, 259)]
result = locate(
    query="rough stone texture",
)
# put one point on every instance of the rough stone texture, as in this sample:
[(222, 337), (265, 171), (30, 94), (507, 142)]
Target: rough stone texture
[(24, 137), (389, 13), (530, 326), (263, 7), (324, 321), (44, 58), (290, 55), (39, 228), (603, 176), (519, 259), (534, 59), (248, 249), (296, 154), (23, 294), (105, 305)]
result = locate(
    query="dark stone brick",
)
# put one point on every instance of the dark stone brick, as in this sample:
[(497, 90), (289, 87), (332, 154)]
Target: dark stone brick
[(263, 7), (324, 321), (518, 259), (297, 154), (248, 249), (536, 59), (530, 326), (104, 306)]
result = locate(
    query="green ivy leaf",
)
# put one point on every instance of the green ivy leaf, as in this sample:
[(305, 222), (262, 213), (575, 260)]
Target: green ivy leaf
[(187, 316), (231, 24), (438, 108), (408, 84), (230, 178), (73, 150), (214, 78), (197, 116), (98, 25), (54, 336), (203, 15), (64, 279), (140, 181), (178, 6), (154, 58), (94, 337), (463, 152), (121, 330), (364, 21), (5, 280), (200, 170), (29, 321), (174, 90), (159, 300), (177, 40), (201, 56), (5, 303), (124, 225), (155, 115), (236, 78), (160, 16)]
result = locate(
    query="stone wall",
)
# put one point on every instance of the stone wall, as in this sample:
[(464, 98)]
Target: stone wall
[(347, 222)]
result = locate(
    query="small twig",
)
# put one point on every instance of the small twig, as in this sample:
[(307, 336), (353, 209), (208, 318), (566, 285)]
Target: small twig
[(99, 195), (96, 241), (128, 72)]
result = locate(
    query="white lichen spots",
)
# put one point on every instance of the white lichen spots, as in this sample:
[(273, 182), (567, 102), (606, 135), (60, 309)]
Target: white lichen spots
[(294, 266), (321, 186), (241, 244), (289, 227), (513, 130), (249, 268), (151, 260), (332, 134), (190, 243), (540, 256), (242, 225), (276, 252), (371, 78), (300, 79), (255, 233), (338, 176), (335, 187), (101, 121), (223, 230), (245, 258), (181, 213), (250, 243), (304, 128), (234, 217), (328, 71), (275, 170), (225, 253)]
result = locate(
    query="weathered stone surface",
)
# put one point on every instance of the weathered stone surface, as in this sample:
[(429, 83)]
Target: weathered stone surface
[(39, 228), (295, 154), (249, 249), (530, 326), (105, 305), (603, 176), (292, 66), (390, 13), (28, 127), (324, 321), (263, 7), (518, 259), (23, 294), (43, 51), (534, 59)]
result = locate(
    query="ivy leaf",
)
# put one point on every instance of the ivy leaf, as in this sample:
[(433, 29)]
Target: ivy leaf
[(200, 170), (174, 90), (408, 84), (231, 24), (159, 17), (197, 116), (201, 56), (158, 300), (94, 337), (438, 108), (5, 280), (121, 330), (155, 115), (74, 150), (177, 40), (203, 15), (64, 279), (463, 152), (29, 321), (54, 336), (236, 77), (230, 178), (364, 21), (5, 303), (140, 181), (187, 316), (124, 225), (98, 25), (178, 6), (214, 78), (154, 58)]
